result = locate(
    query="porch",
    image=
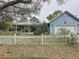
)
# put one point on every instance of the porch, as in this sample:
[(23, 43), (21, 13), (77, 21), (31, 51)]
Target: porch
[(26, 26)]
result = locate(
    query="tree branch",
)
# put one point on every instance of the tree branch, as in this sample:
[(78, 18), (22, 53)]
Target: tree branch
[(11, 3), (3, 1)]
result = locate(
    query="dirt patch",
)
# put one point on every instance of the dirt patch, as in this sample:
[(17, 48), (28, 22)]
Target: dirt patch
[(38, 51)]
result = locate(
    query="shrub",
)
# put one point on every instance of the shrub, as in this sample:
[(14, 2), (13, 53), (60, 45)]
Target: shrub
[(72, 39), (37, 31), (63, 31), (43, 28)]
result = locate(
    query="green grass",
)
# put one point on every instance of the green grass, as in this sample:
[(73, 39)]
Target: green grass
[(18, 33)]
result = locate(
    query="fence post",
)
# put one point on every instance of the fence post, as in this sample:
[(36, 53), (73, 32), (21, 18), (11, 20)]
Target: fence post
[(15, 39), (70, 38), (65, 37), (42, 39)]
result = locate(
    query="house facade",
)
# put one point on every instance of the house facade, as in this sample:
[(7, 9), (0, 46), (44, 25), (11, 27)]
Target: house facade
[(66, 20), (27, 25)]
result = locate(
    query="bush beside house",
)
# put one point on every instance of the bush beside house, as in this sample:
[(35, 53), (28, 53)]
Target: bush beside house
[(72, 39), (43, 28)]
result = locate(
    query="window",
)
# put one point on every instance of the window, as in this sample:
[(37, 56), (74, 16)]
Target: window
[(65, 22)]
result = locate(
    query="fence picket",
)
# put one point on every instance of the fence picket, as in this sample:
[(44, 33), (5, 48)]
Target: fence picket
[(34, 39), (42, 38)]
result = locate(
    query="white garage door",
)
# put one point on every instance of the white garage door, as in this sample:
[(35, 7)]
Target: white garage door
[(71, 28)]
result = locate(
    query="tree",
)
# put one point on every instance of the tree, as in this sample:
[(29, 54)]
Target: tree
[(56, 13), (60, 2), (7, 23), (19, 8), (44, 27), (11, 3)]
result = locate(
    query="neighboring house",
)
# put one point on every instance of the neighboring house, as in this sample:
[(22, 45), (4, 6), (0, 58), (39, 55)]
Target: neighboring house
[(27, 25), (34, 19), (23, 25), (66, 20)]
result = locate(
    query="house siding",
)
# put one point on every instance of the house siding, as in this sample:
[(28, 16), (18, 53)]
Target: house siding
[(70, 21), (77, 29)]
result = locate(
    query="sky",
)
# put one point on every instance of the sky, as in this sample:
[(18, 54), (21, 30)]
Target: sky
[(72, 6)]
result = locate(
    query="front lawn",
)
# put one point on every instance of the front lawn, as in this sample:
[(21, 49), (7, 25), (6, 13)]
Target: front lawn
[(39, 52)]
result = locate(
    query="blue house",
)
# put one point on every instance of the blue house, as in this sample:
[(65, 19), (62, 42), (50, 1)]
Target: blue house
[(66, 20)]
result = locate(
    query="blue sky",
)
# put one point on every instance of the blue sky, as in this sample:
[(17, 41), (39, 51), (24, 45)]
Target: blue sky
[(72, 6)]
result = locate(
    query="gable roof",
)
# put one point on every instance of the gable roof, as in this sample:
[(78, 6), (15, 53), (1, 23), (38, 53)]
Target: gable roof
[(66, 13), (34, 19)]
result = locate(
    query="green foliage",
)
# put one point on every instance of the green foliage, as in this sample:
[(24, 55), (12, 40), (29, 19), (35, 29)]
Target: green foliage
[(37, 31), (7, 23), (72, 39), (43, 28), (56, 13)]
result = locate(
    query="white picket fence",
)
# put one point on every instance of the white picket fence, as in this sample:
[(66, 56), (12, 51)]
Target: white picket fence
[(33, 39)]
